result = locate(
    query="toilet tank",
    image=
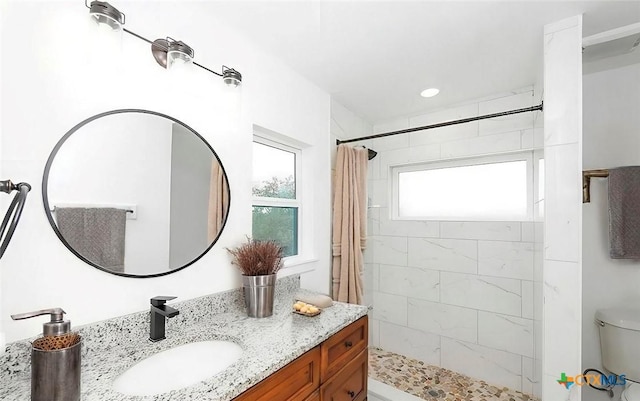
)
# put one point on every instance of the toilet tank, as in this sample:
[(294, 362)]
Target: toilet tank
[(620, 341)]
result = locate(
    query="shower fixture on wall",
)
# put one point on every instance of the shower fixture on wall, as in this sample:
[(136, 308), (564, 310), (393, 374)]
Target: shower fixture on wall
[(168, 53)]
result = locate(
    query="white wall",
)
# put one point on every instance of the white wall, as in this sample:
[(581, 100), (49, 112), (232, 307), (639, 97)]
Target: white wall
[(451, 293), (54, 79), (611, 101), (345, 124), (4, 200), (562, 269)]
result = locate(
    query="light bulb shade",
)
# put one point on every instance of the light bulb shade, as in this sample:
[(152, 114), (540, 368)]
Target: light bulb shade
[(231, 77), (178, 53), (106, 15)]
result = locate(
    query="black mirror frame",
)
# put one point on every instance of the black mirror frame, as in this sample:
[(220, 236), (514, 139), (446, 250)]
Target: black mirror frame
[(47, 208)]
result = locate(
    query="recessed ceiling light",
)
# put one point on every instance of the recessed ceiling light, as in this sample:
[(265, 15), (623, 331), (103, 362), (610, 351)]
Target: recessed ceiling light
[(431, 92)]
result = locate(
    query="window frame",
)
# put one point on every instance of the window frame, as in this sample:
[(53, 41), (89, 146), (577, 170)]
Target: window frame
[(539, 183), (529, 156), (262, 201)]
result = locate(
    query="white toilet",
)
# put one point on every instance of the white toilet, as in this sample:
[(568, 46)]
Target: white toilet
[(620, 346)]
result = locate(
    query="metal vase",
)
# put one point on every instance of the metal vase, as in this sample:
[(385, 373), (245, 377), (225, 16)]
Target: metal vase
[(258, 294), (55, 375)]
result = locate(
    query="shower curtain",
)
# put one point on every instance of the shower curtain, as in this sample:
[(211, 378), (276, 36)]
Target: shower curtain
[(349, 223), (218, 201)]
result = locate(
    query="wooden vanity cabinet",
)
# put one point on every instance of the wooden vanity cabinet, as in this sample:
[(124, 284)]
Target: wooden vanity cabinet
[(294, 382), (350, 383), (314, 397), (343, 347), (335, 370)]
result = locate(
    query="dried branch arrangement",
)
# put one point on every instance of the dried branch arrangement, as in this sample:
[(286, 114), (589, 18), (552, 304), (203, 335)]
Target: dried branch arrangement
[(257, 258)]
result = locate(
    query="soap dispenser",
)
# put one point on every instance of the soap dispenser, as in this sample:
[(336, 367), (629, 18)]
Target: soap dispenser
[(55, 359)]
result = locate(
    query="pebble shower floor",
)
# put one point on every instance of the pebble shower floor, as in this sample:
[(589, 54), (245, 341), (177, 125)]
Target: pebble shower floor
[(432, 383)]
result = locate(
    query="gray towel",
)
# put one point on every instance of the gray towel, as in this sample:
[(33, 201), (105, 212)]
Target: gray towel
[(624, 212), (98, 234)]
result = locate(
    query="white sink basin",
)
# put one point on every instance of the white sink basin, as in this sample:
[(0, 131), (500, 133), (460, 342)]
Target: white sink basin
[(177, 367)]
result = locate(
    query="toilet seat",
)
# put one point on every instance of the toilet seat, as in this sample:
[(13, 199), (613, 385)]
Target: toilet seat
[(631, 393)]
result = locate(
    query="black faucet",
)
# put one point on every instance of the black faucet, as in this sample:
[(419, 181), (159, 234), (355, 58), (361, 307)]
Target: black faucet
[(160, 311)]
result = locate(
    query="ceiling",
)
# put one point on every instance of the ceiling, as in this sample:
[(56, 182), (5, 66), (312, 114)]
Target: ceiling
[(376, 57)]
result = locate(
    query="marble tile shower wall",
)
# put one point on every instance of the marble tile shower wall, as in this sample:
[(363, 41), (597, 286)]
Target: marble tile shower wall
[(460, 295)]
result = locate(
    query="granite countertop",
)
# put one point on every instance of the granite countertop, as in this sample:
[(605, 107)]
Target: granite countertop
[(111, 347)]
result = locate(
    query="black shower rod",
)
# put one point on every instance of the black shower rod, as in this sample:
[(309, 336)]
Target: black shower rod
[(445, 124)]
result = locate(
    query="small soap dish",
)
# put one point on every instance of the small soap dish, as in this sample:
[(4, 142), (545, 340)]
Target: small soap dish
[(305, 309), (308, 314)]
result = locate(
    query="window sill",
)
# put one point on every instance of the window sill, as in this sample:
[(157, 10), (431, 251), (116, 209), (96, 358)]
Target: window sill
[(297, 266), (470, 219)]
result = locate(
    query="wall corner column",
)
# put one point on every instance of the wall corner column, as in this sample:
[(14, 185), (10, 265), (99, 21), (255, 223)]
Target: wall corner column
[(562, 270)]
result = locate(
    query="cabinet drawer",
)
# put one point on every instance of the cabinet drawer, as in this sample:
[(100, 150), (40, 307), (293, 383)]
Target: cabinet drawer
[(343, 347), (295, 382), (350, 383)]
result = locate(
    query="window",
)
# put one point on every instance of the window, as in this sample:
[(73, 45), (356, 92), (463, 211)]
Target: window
[(487, 188), (276, 194)]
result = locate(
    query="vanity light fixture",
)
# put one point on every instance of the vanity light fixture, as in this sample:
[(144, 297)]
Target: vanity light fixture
[(179, 53), (230, 76), (106, 15), (169, 53)]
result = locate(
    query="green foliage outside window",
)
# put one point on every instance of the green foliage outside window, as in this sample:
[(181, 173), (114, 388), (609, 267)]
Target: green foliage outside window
[(277, 223)]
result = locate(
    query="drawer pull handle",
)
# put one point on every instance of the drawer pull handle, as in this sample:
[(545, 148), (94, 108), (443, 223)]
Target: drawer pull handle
[(348, 344), (351, 394)]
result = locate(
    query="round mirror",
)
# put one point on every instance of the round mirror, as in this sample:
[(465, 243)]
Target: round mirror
[(135, 193)]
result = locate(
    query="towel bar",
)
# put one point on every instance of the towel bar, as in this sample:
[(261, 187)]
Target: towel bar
[(586, 182), (54, 209)]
